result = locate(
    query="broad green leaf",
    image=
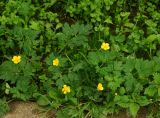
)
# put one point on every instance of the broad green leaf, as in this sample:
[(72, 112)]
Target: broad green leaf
[(93, 58), (43, 78), (150, 23), (49, 59), (130, 25), (4, 107), (156, 78), (6, 91), (25, 9), (78, 66), (23, 83), (113, 85), (50, 3), (142, 100), (108, 20), (59, 25), (53, 94), (64, 113), (125, 14), (122, 90), (122, 101), (133, 108), (12, 69), (117, 65), (60, 82), (144, 67), (129, 65), (43, 100), (35, 25), (129, 83), (152, 38), (150, 90), (73, 100), (73, 36)]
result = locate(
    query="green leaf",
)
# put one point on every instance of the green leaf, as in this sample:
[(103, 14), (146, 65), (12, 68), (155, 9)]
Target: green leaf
[(122, 101), (64, 113), (79, 66), (129, 65), (113, 85), (159, 91), (125, 14), (25, 9), (53, 93), (156, 78), (4, 107), (9, 67), (130, 25), (43, 100), (151, 38), (49, 3), (122, 90), (59, 25), (43, 78), (142, 100), (73, 100), (129, 83), (7, 91), (35, 25), (73, 36), (49, 59), (23, 84), (151, 90), (117, 65), (144, 67), (60, 82), (93, 58), (108, 20), (103, 72), (133, 108)]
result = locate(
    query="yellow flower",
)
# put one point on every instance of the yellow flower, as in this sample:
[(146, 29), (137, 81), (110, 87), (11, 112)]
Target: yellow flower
[(16, 59), (66, 89), (100, 87), (56, 62), (105, 46)]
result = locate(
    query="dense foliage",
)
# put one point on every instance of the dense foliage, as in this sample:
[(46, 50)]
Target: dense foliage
[(85, 58)]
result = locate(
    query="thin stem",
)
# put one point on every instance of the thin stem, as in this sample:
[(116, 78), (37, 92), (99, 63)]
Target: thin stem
[(87, 115), (84, 57), (69, 59)]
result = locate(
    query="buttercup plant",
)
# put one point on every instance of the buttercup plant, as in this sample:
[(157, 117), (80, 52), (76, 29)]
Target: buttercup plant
[(66, 63)]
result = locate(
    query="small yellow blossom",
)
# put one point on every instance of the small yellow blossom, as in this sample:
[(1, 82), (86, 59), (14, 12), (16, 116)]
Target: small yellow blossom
[(56, 62), (66, 89), (100, 87), (16, 59), (105, 46)]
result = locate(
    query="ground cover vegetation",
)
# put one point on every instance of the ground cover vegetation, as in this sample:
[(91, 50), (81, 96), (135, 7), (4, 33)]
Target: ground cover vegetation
[(83, 58)]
